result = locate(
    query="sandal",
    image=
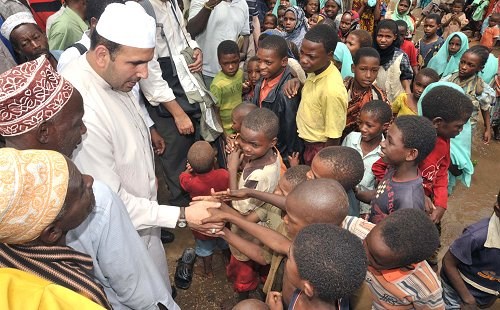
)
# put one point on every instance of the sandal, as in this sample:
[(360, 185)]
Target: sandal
[(184, 269)]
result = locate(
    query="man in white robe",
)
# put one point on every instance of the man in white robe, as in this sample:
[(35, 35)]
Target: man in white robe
[(117, 146)]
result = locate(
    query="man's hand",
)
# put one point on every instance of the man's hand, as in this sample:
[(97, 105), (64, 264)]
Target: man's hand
[(292, 87), (437, 214), (199, 210), (184, 124), (274, 300), (197, 65), (157, 141)]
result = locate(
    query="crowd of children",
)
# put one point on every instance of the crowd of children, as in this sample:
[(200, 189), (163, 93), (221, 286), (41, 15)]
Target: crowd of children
[(363, 146)]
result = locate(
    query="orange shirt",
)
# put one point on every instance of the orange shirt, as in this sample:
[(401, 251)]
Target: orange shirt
[(489, 36), (267, 86)]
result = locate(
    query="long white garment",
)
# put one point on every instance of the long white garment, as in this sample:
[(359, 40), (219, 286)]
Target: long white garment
[(121, 262), (117, 150)]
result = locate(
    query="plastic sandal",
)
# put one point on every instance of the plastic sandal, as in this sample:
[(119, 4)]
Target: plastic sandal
[(184, 269)]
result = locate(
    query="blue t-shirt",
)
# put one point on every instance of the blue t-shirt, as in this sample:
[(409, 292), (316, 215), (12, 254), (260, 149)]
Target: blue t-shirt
[(477, 263), (393, 195)]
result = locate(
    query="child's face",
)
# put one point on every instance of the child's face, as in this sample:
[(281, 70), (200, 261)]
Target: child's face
[(319, 170), (454, 45), (254, 144), (253, 72), (285, 3), (449, 130), (269, 23), (402, 32), (392, 149), (385, 38), (294, 219), (313, 56), (403, 7), (419, 84), (457, 8), (313, 20), (370, 127), (229, 63), (430, 27), (292, 271), (331, 9), (289, 21), (493, 21), (284, 187), (353, 44), (236, 119), (366, 71), (379, 255), (270, 64), (345, 23), (281, 15), (271, 4), (312, 7), (469, 65)]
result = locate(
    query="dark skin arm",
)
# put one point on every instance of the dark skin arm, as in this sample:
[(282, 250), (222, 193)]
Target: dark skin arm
[(233, 162), (450, 268), (270, 238), (366, 196), (248, 248), (333, 142), (244, 48), (245, 193), (198, 24)]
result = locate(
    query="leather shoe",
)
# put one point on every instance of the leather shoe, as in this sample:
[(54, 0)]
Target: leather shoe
[(166, 236)]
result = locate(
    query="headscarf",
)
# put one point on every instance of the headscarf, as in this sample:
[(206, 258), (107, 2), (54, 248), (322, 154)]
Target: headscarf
[(278, 3), (343, 55), (31, 93), (387, 54), (404, 17), (490, 69), (460, 146), (34, 185), (15, 20), (440, 62), (354, 22), (323, 2), (300, 29)]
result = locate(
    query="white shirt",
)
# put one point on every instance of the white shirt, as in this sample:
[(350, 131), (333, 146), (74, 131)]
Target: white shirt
[(155, 88), (353, 140), (117, 147), (122, 264), (227, 21)]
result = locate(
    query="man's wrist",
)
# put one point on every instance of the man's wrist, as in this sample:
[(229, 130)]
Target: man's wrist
[(182, 222)]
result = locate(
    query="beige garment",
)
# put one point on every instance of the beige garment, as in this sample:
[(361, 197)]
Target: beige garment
[(389, 80), (297, 70), (6, 59)]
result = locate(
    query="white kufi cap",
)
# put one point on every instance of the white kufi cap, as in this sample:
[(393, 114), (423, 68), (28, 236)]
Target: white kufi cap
[(127, 24), (15, 20)]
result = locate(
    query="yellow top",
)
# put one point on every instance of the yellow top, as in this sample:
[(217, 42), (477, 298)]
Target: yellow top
[(400, 106), (323, 108), (20, 290)]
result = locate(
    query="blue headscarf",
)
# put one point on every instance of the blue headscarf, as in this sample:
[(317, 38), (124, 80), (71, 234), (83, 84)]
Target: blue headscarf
[(278, 3), (298, 33), (440, 62), (460, 146), (490, 69), (343, 55)]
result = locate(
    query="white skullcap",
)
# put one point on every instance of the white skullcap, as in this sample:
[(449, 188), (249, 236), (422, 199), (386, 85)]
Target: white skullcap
[(15, 20), (127, 24)]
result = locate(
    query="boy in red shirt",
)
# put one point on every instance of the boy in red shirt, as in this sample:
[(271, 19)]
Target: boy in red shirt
[(407, 46), (491, 34)]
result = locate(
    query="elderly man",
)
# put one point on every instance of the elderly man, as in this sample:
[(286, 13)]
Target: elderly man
[(117, 147), (27, 39), (43, 197), (50, 118)]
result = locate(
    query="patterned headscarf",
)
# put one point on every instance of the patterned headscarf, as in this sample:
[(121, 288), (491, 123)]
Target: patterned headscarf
[(15, 20), (33, 187), (297, 34), (30, 94)]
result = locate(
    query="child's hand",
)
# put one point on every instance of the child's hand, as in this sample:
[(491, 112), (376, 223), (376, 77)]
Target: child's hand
[(437, 214), (274, 300), (293, 160), (231, 194), (216, 216), (234, 159), (189, 169), (231, 144), (487, 135), (247, 87), (292, 87)]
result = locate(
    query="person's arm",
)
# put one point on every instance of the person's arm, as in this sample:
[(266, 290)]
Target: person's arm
[(487, 126), (270, 238), (406, 73), (292, 87), (450, 268), (256, 30), (486, 99), (379, 168), (440, 190), (197, 22), (233, 163), (246, 247), (244, 48), (366, 196), (377, 11), (361, 9), (245, 193)]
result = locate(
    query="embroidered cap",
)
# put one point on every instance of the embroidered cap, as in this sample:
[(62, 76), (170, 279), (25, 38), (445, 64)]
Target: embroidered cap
[(15, 20)]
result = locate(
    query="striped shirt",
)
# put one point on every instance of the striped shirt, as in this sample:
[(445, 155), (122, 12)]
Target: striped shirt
[(396, 289)]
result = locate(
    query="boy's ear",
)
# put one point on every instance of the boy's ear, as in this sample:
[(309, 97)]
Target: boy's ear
[(284, 61), (308, 289), (274, 141), (412, 155), (386, 126), (330, 55), (437, 121)]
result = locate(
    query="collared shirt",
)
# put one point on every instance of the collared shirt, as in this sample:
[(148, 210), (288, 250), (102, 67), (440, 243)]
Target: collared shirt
[(267, 86), (353, 140), (323, 108), (227, 21), (66, 30), (122, 264), (117, 147), (155, 88)]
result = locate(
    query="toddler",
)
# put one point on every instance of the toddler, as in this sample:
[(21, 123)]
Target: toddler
[(253, 75), (456, 20), (492, 32)]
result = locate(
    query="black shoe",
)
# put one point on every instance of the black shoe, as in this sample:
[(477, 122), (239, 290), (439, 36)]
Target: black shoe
[(184, 269), (166, 236), (174, 292)]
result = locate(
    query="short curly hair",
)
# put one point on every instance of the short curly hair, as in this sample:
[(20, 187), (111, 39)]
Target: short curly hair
[(332, 259), (201, 157), (447, 103), (345, 163), (380, 109), (410, 234), (418, 133), (325, 35), (262, 120), (296, 175)]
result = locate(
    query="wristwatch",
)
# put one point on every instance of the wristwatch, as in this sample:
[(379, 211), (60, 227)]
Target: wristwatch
[(181, 222)]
